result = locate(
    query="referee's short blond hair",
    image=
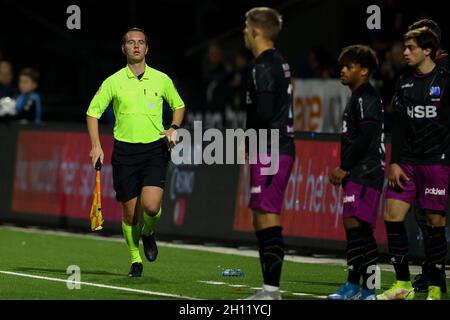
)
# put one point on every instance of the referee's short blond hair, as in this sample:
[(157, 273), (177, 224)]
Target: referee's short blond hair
[(267, 19)]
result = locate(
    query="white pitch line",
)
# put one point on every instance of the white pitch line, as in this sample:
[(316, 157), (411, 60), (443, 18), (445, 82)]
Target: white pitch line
[(301, 294), (237, 285), (223, 250), (212, 282), (217, 283), (153, 293)]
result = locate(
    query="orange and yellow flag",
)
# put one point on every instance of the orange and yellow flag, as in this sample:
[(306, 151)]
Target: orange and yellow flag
[(96, 208)]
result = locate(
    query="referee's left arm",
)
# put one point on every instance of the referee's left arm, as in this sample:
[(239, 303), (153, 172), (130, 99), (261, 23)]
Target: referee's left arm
[(177, 105), (178, 116)]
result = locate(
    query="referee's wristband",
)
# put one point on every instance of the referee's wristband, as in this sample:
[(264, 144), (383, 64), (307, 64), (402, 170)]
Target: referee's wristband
[(174, 126)]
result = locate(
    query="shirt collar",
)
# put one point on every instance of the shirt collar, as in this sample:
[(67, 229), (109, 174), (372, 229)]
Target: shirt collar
[(264, 53), (130, 73), (424, 75), (362, 87)]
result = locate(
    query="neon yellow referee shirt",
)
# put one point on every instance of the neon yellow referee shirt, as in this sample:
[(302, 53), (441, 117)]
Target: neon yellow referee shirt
[(137, 103)]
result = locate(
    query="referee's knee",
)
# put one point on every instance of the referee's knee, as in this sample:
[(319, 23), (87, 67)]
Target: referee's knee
[(151, 209)]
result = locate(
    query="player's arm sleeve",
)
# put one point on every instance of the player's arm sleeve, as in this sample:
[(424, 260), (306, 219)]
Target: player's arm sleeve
[(265, 83), (171, 95), (368, 113), (399, 125), (101, 100)]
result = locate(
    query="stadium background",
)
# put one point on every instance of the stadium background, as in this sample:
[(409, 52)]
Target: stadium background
[(45, 175)]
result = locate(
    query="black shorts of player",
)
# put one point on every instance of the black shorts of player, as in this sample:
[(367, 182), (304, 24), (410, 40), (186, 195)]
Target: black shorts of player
[(136, 165)]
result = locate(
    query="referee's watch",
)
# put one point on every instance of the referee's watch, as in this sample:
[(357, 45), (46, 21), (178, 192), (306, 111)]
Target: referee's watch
[(174, 126)]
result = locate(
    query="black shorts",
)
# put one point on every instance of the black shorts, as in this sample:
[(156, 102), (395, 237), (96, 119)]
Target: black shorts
[(136, 165)]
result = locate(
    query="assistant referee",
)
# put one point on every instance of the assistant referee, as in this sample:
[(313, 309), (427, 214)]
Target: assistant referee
[(141, 145)]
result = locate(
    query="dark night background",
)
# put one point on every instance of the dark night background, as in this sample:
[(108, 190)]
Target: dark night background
[(73, 63)]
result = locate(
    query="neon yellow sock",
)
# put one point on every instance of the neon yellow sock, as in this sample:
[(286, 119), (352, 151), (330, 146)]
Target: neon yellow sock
[(132, 235), (149, 222)]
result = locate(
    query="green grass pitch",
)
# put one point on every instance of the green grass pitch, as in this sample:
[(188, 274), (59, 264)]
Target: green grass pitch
[(177, 274)]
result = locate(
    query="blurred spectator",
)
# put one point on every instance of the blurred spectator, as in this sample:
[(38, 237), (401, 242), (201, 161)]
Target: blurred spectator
[(319, 64), (239, 78), (216, 77), (394, 62), (7, 109), (28, 104), (391, 66), (6, 77)]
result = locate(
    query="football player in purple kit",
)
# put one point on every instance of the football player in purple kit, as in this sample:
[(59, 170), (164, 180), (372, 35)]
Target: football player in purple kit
[(361, 170), (269, 106), (420, 163), (421, 281)]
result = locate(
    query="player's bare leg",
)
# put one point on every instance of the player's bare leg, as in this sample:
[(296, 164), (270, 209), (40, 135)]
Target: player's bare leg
[(263, 220), (151, 199)]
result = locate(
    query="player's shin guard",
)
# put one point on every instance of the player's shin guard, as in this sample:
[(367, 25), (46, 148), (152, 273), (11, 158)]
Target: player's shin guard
[(149, 222), (437, 252), (355, 253), (271, 254), (398, 248), (132, 235), (370, 259)]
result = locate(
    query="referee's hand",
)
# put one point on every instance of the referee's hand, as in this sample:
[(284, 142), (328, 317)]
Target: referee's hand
[(95, 154), (171, 137)]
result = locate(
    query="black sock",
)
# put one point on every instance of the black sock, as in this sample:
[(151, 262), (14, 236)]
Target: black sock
[(271, 254), (426, 249), (422, 223), (437, 252), (355, 253), (370, 259), (398, 249)]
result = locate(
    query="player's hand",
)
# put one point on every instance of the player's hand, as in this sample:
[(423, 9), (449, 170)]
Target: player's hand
[(396, 176), (171, 137), (95, 154), (337, 176)]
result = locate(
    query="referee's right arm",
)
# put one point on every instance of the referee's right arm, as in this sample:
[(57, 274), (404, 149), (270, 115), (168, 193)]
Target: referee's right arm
[(96, 108), (96, 150)]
